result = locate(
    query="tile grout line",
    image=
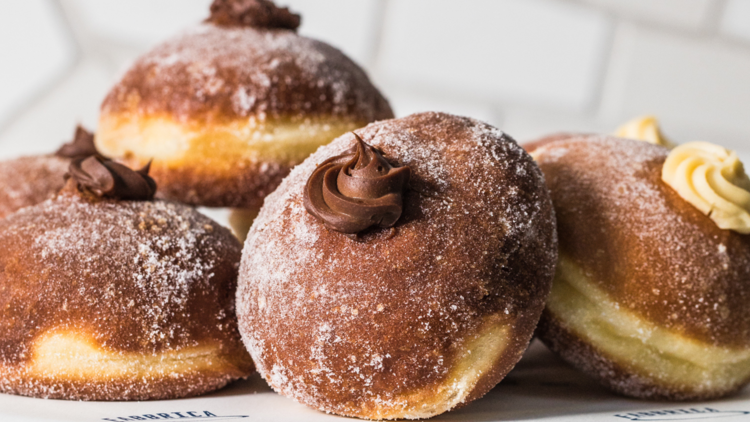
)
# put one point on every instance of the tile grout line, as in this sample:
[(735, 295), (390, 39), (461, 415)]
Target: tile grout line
[(593, 108), (376, 35)]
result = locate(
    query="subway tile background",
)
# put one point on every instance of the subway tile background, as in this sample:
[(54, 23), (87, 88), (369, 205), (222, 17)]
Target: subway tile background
[(529, 67)]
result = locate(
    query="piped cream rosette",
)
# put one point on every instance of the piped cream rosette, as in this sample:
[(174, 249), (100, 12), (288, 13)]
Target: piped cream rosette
[(645, 128), (712, 179)]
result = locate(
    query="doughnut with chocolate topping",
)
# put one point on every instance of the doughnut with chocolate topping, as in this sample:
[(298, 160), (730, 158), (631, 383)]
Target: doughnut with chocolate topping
[(103, 298), (412, 320), (228, 107), (356, 190), (30, 180), (650, 296)]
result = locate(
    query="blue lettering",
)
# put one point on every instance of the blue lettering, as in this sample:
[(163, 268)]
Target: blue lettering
[(151, 417), (207, 413), (194, 415), (164, 415), (179, 414)]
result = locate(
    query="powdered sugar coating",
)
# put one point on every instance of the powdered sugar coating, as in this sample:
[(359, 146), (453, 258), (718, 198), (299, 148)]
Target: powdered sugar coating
[(146, 277), (652, 253), (643, 243), (30, 180), (353, 327), (212, 73)]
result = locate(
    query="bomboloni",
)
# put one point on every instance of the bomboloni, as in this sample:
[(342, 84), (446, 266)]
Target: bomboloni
[(400, 271), (650, 295), (106, 294)]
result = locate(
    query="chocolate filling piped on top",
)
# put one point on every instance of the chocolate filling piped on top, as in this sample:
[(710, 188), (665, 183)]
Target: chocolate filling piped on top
[(81, 146), (108, 179), (252, 13), (356, 190)]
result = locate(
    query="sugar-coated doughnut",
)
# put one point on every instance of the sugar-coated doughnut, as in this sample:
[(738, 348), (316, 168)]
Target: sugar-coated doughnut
[(399, 272), (650, 295), (109, 299), (30, 180), (227, 108)]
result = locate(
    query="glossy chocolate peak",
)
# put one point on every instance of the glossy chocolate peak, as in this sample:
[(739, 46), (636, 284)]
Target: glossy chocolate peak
[(81, 146), (252, 13), (108, 179), (356, 190)]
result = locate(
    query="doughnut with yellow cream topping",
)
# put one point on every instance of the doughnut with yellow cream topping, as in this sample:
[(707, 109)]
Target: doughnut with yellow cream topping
[(650, 294)]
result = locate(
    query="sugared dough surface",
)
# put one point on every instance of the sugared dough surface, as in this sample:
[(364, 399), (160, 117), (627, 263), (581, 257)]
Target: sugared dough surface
[(214, 74), (28, 181), (226, 112), (637, 243), (117, 301), (411, 322)]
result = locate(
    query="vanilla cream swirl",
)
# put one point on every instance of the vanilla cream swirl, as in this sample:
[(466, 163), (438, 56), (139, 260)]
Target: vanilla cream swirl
[(646, 129), (712, 179), (356, 190)]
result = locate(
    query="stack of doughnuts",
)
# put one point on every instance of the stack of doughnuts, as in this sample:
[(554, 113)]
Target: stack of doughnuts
[(397, 268), (226, 109)]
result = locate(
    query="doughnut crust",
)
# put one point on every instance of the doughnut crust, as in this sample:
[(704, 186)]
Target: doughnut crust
[(30, 180), (650, 296), (225, 112), (107, 300), (412, 321)]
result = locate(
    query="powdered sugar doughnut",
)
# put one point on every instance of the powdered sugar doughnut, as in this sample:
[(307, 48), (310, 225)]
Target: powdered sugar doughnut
[(650, 296), (30, 180), (228, 107), (106, 299), (409, 321), (27, 181)]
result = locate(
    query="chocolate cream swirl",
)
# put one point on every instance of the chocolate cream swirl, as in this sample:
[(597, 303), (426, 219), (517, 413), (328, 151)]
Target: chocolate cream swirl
[(108, 179), (356, 190), (262, 14), (81, 146)]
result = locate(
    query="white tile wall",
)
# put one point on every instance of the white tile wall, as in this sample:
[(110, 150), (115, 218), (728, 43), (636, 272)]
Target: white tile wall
[(693, 14), (513, 50), (141, 22), (529, 66), (527, 123), (350, 25), (52, 119), (701, 87), (406, 101), (36, 52), (736, 19)]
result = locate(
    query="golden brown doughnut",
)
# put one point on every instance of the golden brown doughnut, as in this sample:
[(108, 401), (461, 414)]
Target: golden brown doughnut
[(227, 108), (650, 296), (109, 299), (408, 321), (30, 180)]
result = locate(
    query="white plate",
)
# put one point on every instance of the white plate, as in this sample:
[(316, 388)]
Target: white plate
[(540, 388)]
